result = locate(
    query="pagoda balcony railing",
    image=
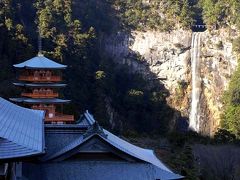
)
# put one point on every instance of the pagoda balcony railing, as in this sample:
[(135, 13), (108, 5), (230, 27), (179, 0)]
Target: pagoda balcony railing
[(38, 95), (40, 78), (60, 118)]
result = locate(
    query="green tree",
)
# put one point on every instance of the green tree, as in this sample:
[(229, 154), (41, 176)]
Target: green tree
[(186, 15), (55, 24), (231, 98)]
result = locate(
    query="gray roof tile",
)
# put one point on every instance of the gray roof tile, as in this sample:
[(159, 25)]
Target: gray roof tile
[(145, 155), (21, 131), (97, 170)]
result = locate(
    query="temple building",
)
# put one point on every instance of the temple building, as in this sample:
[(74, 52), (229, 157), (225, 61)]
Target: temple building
[(30, 150), (40, 79), (21, 137), (40, 142), (87, 151)]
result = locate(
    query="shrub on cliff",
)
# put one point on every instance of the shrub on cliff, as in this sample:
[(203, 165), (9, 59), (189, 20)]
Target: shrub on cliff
[(224, 136)]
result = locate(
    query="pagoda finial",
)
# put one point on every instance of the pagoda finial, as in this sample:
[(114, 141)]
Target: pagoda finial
[(39, 43)]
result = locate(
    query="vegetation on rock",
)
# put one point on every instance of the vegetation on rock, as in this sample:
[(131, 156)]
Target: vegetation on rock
[(221, 13), (231, 99), (163, 15)]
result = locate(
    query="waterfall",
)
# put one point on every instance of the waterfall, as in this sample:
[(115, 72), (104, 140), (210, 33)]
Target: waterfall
[(194, 119)]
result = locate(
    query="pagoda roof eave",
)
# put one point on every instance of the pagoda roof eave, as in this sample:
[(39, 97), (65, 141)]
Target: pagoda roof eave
[(40, 62), (26, 67), (54, 85), (40, 100)]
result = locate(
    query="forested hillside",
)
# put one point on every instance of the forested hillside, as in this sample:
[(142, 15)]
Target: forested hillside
[(221, 13), (69, 31), (123, 100), (164, 15)]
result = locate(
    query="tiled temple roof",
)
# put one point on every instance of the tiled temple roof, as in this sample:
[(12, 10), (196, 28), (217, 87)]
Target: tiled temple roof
[(21, 131), (40, 62), (58, 152)]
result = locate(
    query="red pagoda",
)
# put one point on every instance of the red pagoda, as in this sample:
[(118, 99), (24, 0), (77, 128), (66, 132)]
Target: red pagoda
[(40, 79)]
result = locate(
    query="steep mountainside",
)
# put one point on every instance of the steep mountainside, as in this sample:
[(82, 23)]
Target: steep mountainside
[(121, 99), (129, 61)]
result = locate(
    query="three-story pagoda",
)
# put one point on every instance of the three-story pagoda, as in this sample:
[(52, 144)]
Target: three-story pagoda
[(40, 79)]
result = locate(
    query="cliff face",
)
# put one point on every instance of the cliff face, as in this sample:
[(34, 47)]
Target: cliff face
[(218, 62), (168, 57)]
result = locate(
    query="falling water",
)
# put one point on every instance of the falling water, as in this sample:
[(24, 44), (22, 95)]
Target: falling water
[(194, 122)]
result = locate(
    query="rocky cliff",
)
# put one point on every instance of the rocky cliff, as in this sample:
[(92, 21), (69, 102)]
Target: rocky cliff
[(167, 58), (218, 62)]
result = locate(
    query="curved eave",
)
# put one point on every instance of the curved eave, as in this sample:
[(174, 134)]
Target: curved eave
[(53, 101), (36, 67), (21, 131), (19, 156), (40, 100), (18, 100), (10, 150), (54, 85), (40, 62), (19, 84)]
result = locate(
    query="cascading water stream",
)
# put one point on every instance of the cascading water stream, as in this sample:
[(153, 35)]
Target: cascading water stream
[(194, 119)]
